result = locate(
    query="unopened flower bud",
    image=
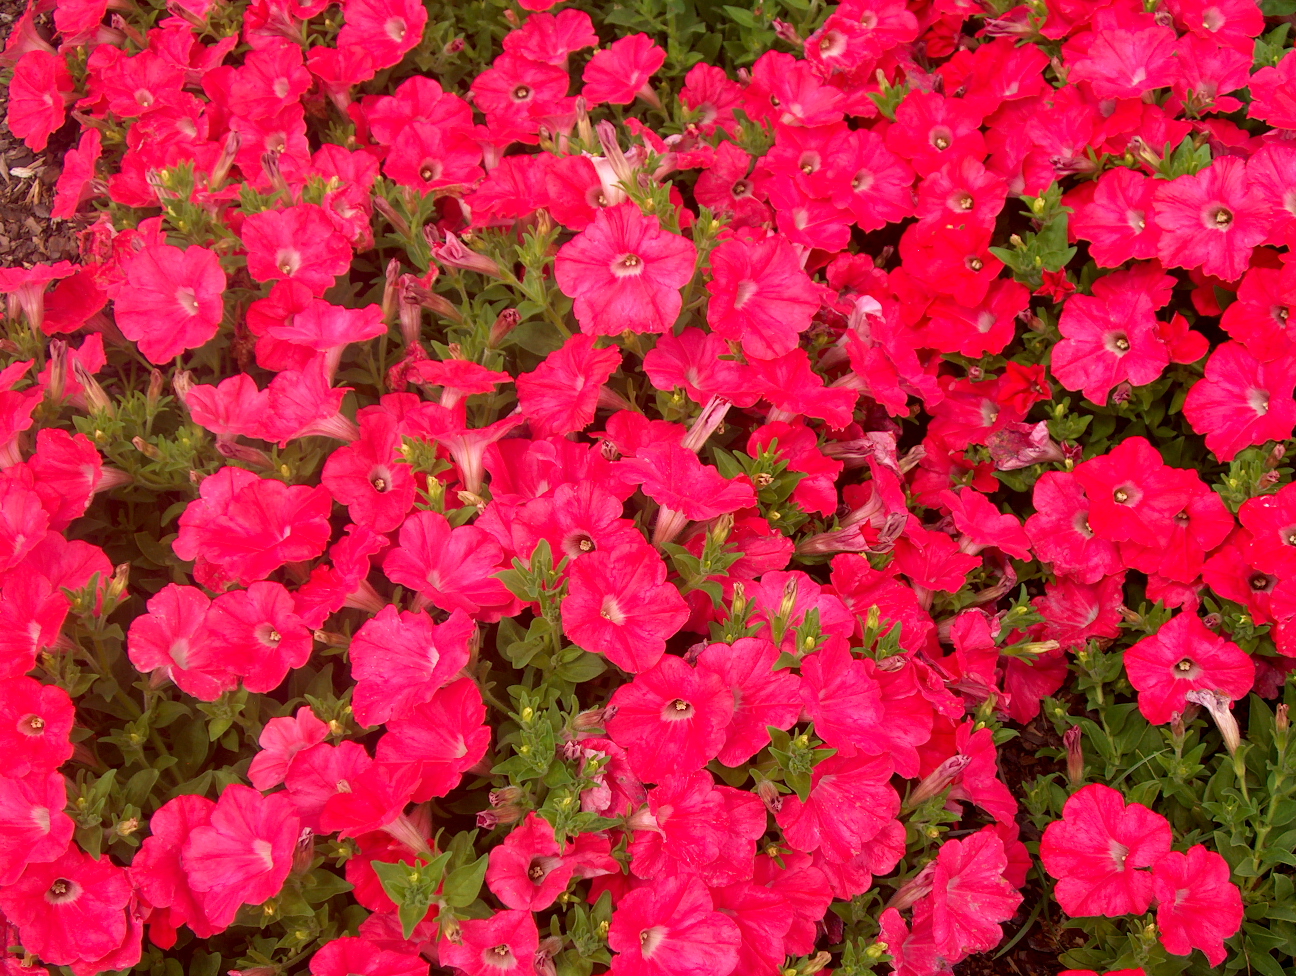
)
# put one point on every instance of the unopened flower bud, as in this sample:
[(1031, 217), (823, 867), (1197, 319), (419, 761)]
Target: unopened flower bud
[(145, 448), (1281, 722), (721, 528), (154, 394), (505, 323), (58, 360), (939, 779), (1075, 755), (95, 397), (453, 254), (384, 207), (592, 718), (1220, 707), (769, 795)]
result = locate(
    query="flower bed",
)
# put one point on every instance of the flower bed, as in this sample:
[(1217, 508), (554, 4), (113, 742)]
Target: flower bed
[(667, 489)]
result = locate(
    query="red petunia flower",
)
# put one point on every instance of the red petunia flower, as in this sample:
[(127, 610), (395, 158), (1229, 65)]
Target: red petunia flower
[(36, 96), (670, 718), (671, 928), (1242, 401), (1197, 906), (1097, 852), (33, 827), (71, 910), (171, 300), (760, 296), (401, 659), (621, 71), (243, 856), (1184, 656), (1211, 220), (561, 395), (297, 243), (620, 605), (624, 272)]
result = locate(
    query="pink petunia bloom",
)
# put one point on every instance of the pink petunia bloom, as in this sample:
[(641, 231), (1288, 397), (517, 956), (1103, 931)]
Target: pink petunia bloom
[(851, 802), (1097, 852), (670, 718), (384, 29), (762, 696), (33, 827), (503, 945), (171, 300), (763, 919), (1242, 401), (1133, 494), (1197, 906), (528, 870), (281, 740), (71, 910), (1118, 220), (245, 527), (1184, 656), (760, 295), (158, 873), (684, 488), (1125, 61), (1211, 220), (298, 243), (349, 956), (625, 272), (621, 71), (453, 568), (35, 726), (1107, 340), (620, 605), (438, 739), (1273, 93), (258, 634), (1060, 533), (692, 826), (370, 476), (671, 928), (969, 895), (244, 855), (401, 659), (562, 393), (36, 97), (320, 773), (172, 636)]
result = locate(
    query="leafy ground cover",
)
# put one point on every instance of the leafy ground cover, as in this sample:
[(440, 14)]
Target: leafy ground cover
[(653, 488)]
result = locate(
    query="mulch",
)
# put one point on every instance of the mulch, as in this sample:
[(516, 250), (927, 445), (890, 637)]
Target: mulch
[(27, 234)]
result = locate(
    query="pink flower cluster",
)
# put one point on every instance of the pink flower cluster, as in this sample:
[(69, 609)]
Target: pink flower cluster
[(786, 340)]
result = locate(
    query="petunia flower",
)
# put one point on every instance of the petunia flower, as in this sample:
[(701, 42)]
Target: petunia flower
[(400, 660), (171, 300), (1184, 656), (438, 740), (70, 910), (625, 272), (620, 605), (621, 71), (762, 696), (760, 296), (33, 826), (671, 928), (243, 856), (670, 718), (1198, 907), (1210, 220), (348, 955), (1242, 401), (1098, 851), (504, 944)]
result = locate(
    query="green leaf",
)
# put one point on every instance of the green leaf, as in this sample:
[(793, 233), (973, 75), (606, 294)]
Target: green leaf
[(410, 916), (585, 668), (463, 883), (741, 17)]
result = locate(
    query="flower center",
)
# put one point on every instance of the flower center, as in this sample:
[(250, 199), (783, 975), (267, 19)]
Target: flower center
[(521, 93), (677, 711), (741, 189), (585, 545), (1185, 666), (395, 29), (964, 201), (628, 265), (1120, 496), (62, 890), (1259, 582), (1259, 401), (612, 612), (379, 484), (976, 264), (1222, 217), (942, 139), (1120, 343), (188, 300), (31, 724), (430, 172)]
